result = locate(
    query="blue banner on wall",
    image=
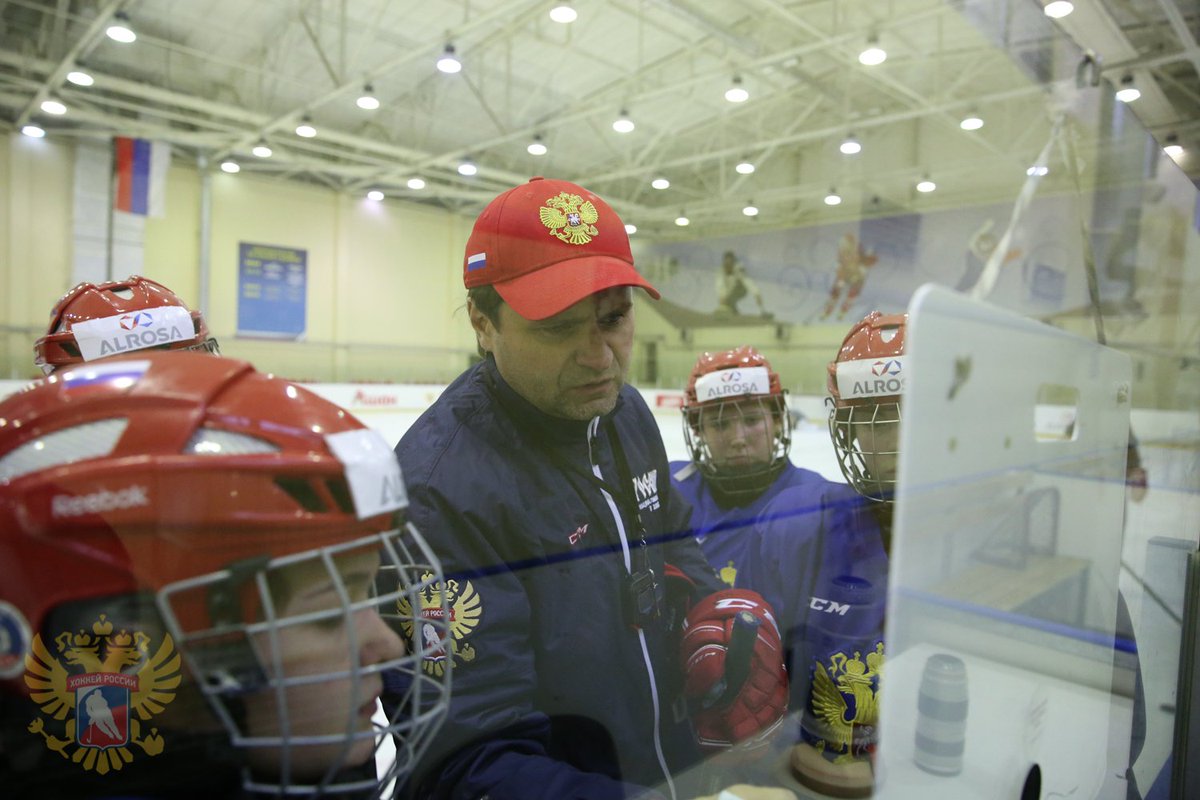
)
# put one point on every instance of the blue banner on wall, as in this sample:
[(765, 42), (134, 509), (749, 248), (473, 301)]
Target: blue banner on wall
[(272, 291)]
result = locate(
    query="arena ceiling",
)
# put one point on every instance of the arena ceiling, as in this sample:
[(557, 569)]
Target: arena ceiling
[(217, 77)]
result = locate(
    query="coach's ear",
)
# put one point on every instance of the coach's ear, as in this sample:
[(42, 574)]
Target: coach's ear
[(485, 329)]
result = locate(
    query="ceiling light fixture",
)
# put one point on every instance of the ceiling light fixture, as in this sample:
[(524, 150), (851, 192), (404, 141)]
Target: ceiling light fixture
[(563, 13), (833, 198), (1127, 92), (872, 55), (744, 168), (623, 124), (416, 183), (262, 149), (1057, 9), (971, 122), (33, 131), (230, 166), (1038, 171), (367, 101), (630, 228), (537, 147), (305, 128), (925, 185), (120, 30), (1173, 148), (736, 93), (850, 146), (660, 183), (80, 78), (448, 62), (682, 221), (750, 210), (375, 195), (55, 107), (467, 167)]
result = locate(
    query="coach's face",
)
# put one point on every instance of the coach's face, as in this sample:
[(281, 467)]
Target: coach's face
[(571, 365)]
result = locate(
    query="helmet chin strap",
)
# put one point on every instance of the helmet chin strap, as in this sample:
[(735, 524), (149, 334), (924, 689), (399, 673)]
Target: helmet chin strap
[(741, 488)]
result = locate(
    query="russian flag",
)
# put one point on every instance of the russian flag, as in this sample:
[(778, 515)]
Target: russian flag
[(141, 172)]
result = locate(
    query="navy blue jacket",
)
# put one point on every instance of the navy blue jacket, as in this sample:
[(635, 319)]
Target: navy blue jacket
[(555, 691)]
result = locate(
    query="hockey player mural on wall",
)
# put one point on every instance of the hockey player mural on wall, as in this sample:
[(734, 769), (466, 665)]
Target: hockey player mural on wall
[(853, 261), (823, 273)]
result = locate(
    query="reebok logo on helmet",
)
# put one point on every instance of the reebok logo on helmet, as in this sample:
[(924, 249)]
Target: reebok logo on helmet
[(65, 505)]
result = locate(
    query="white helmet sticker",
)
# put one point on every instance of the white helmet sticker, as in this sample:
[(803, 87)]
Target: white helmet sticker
[(372, 471), (732, 383), (137, 330), (871, 377)]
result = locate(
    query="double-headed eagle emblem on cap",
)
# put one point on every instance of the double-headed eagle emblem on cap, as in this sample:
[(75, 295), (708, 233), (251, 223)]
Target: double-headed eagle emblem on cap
[(570, 218), (98, 696)]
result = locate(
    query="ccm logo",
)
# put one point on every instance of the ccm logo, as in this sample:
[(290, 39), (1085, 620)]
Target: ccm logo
[(828, 606)]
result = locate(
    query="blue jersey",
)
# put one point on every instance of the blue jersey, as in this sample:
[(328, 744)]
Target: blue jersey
[(723, 532), (817, 556)]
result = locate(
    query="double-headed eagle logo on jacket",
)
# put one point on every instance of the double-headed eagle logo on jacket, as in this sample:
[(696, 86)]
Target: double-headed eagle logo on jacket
[(845, 698), (570, 218), (465, 608), (110, 685)]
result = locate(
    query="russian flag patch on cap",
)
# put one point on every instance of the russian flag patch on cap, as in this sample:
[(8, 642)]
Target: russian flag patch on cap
[(477, 261)]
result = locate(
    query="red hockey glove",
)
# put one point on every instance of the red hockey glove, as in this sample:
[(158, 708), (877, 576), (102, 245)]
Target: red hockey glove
[(734, 678)]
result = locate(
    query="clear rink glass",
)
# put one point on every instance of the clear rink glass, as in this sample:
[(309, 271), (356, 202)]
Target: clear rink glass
[(1028, 602)]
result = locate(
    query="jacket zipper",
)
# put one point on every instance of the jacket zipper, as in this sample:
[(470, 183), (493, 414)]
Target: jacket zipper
[(592, 431)]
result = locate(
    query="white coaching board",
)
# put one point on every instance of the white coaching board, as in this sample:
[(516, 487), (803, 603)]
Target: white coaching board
[(1006, 551)]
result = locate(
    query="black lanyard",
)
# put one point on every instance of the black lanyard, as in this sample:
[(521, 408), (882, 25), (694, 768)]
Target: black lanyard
[(643, 594)]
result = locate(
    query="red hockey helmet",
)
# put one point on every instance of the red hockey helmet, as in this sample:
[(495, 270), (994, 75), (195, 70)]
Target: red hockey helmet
[(865, 382), (725, 385), (97, 320), (158, 505)]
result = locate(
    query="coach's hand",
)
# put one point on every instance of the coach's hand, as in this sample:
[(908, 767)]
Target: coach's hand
[(734, 678)]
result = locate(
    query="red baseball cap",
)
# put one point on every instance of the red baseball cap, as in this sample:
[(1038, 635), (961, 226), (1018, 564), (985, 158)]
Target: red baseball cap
[(546, 245)]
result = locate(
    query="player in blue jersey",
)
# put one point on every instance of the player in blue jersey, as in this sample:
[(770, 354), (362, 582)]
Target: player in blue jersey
[(819, 556), (737, 428)]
